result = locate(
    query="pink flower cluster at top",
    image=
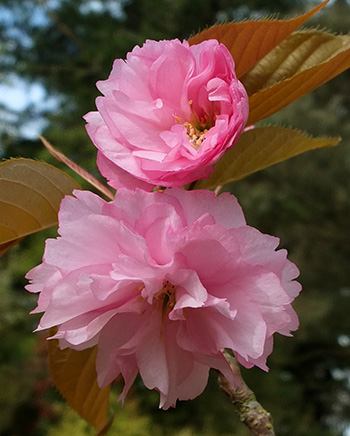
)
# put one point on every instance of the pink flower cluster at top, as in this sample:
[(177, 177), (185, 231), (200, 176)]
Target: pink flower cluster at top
[(168, 114), (162, 283)]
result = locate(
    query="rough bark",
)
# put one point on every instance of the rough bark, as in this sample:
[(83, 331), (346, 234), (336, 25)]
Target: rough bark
[(250, 411)]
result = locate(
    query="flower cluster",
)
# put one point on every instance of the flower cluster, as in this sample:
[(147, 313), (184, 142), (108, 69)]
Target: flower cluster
[(162, 282)]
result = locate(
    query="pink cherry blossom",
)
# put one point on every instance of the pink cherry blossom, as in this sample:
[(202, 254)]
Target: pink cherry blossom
[(169, 112), (162, 283)]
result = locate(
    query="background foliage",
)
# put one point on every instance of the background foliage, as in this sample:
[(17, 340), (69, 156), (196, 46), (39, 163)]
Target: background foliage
[(66, 46)]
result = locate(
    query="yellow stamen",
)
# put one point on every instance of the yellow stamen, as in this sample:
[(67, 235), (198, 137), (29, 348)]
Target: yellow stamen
[(195, 136)]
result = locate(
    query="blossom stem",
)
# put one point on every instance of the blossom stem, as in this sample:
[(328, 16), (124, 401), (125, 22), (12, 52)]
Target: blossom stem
[(77, 169), (250, 411), (218, 189), (191, 186), (158, 188)]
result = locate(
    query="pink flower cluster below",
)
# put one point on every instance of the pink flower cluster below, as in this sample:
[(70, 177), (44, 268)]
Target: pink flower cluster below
[(162, 283), (168, 114)]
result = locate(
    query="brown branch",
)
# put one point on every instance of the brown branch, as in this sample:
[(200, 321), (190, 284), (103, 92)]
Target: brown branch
[(250, 411), (60, 25)]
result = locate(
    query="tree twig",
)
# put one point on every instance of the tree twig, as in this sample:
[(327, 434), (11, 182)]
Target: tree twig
[(250, 411), (60, 25)]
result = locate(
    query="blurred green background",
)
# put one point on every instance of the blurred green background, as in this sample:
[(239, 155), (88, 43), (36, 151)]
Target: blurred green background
[(59, 49)]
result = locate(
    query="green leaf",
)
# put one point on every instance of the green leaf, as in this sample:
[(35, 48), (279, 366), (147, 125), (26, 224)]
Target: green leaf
[(301, 63), (260, 148), (30, 196), (250, 41), (74, 374)]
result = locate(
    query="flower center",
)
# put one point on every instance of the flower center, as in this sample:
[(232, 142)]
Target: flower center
[(167, 295), (197, 128), (195, 136)]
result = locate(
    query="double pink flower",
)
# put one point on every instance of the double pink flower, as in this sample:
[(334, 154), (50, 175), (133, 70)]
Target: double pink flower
[(168, 114), (163, 283)]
